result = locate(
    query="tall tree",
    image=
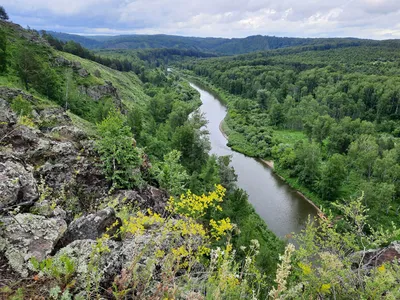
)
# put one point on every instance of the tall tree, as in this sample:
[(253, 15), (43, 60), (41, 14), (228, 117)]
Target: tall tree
[(333, 172), (3, 14)]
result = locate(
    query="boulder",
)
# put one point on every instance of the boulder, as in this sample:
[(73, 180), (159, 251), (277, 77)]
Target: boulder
[(374, 258), (7, 116), (17, 184), (115, 257), (69, 132), (99, 91), (83, 72), (45, 208), (150, 196), (25, 236), (90, 227)]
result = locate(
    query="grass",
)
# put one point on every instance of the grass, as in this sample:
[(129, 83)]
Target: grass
[(290, 137), (128, 84)]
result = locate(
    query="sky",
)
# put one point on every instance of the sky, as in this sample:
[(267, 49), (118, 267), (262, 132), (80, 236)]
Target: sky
[(375, 19)]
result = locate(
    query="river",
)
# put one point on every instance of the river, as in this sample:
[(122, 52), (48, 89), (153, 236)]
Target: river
[(278, 204)]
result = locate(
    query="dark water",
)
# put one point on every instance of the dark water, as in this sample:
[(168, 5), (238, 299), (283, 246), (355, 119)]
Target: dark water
[(281, 207)]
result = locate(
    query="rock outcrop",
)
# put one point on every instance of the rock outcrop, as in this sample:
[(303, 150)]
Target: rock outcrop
[(99, 91), (27, 235), (374, 258), (48, 174), (91, 227), (17, 184)]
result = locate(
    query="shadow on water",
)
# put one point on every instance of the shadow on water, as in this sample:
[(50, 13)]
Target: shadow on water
[(277, 203)]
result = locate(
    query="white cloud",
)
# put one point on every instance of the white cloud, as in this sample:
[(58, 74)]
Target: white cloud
[(234, 18)]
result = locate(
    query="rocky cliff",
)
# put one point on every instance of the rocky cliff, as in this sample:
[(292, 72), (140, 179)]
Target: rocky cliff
[(53, 195)]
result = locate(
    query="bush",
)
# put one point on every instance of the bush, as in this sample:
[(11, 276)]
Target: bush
[(21, 106)]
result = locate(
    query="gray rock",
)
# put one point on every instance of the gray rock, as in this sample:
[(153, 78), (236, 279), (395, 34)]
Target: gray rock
[(148, 197), (99, 91), (61, 62), (17, 184), (83, 72), (26, 235), (69, 132), (90, 227), (54, 116), (82, 254), (7, 116), (9, 94), (44, 208)]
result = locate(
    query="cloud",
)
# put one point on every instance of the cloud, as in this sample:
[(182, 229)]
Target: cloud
[(235, 18)]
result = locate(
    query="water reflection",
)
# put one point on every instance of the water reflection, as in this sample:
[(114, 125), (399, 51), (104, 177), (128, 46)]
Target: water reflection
[(281, 207)]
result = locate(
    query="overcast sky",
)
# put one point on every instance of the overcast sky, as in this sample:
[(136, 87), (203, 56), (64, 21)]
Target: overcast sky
[(378, 19)]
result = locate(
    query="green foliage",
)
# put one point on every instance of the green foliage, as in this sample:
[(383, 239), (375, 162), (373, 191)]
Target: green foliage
[(61, 269), (171, 174), (3, 51), (308, 162), (21, 106), (327, 263), (120, 159), (333, 172), (3, 14), (344, 103)]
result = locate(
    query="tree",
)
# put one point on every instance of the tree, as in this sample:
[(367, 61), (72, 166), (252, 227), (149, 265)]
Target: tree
[(120, 158), (171, 174), (363, 152), (27, 66), (333, 172), (135, 122), (308, 163), (3, 14)]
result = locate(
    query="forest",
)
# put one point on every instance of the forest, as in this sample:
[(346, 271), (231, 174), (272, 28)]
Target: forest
[(219, 46), (113, 132), (329, 118)]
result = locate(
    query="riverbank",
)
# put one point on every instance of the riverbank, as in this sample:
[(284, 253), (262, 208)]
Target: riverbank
[(220, 95), (270, 164)]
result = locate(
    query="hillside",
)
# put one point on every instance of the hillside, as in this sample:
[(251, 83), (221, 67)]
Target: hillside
[(221, 46), (92, 161), (327, 115), (108, 189)]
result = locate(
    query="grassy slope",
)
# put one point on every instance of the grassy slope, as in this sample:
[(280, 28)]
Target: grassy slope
[(127, 83)]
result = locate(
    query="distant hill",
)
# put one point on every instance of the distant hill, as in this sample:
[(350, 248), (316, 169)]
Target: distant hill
[(221, 46), (84, 41)]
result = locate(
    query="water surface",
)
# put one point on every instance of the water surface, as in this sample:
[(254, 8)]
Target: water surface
[(280, 206)]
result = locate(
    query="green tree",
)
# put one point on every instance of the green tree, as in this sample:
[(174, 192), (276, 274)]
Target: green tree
[(27, 66), (3, 14), (308, 163), (120, 159), (321, 128), (333, 172), (171, 174), (362, 153), (379, 196), (135, 122)]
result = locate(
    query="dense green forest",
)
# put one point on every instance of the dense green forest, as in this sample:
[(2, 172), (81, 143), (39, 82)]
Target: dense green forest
[(221, 46), (329, 118), (327, 113)]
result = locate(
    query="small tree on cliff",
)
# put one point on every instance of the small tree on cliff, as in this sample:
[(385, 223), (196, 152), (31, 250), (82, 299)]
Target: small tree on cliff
[(120, 159), (3, 14)]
